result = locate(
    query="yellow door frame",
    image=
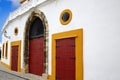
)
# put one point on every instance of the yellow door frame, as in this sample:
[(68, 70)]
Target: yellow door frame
[(78, 34), (16, 43)]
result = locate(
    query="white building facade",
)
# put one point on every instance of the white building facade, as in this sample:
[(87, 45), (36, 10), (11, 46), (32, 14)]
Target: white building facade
[(69, 40)]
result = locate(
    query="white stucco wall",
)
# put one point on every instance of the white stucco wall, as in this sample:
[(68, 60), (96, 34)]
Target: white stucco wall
[(101, 39), (100, 20)]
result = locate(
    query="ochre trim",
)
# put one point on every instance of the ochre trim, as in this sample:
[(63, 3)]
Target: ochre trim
[(5, 65), (49, 77), (6, 50), (78, 34), (70, 17), (16, 43)]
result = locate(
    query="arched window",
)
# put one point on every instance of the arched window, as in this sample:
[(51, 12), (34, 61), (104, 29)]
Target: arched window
[(36, 29)]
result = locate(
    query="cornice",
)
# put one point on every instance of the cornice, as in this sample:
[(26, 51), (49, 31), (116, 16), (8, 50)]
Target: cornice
[(23, 9)]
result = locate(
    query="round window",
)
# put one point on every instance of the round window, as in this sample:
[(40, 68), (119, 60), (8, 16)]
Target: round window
[(16, 31), (65, 17)]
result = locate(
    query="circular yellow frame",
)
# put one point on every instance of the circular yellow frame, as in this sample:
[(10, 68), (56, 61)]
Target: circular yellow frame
[(16, 31), (70, 17)]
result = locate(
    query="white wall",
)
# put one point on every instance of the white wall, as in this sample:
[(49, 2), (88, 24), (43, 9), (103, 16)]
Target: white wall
[(100, 20), (101, 23), (20, 23)]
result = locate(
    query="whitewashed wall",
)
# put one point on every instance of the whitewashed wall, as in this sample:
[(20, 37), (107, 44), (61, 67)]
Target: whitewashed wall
[(101, 23), (100, 20)]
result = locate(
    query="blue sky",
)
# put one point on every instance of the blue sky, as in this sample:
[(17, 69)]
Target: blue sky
[(7, 6)]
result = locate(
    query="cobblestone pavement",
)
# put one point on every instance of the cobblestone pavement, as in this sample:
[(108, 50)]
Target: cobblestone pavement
[(6, 74)]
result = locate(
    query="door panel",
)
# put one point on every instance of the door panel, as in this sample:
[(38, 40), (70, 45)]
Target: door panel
[(65, 59), (36, 56), (14, 65)]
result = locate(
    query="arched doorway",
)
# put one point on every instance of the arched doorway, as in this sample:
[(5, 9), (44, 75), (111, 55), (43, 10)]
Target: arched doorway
[(36, 47), (36, 44)]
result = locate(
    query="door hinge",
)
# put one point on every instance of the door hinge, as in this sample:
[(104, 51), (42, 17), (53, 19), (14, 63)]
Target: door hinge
[(73, 58), (57, 78), (72, 45), (57, 57), (57, 46)]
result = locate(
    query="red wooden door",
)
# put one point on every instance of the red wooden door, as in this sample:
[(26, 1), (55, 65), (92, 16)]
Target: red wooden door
[(14, 65), (65, 59), (36, 56)]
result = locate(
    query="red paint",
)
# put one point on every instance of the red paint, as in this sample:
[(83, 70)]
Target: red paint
[(36, 56), (14, 66), (65, 59)]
